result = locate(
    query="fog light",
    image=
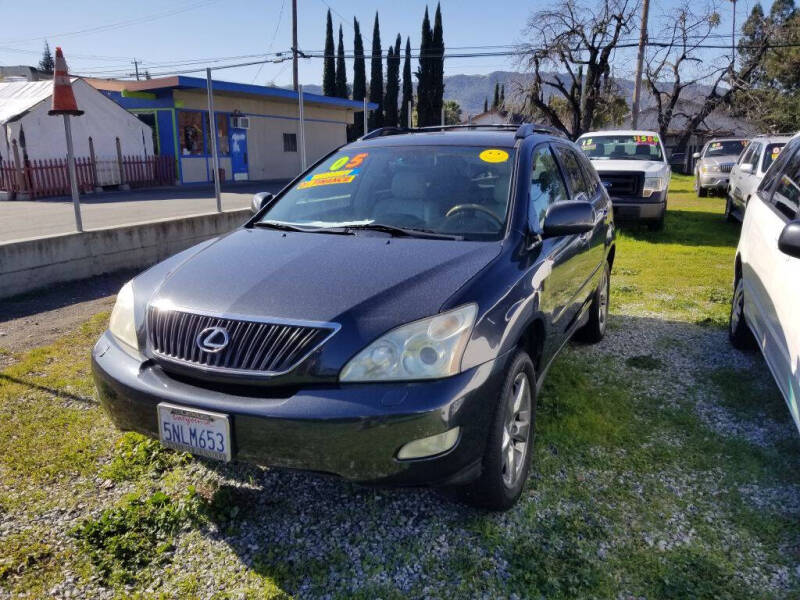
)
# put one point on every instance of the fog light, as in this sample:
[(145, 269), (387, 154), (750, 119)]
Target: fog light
[(435, 444)]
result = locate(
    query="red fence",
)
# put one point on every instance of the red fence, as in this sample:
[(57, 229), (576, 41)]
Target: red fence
[(51, 177)]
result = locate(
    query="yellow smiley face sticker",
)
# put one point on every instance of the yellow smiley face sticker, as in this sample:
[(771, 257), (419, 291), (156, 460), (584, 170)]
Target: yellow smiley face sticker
[(493, 155)]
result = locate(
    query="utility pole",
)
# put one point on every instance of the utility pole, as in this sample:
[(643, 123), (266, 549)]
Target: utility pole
[(294, 44), (637, 84), (212, 121), (733, 40), (136, 67)]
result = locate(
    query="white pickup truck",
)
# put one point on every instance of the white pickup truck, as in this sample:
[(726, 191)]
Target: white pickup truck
[(633, 167)]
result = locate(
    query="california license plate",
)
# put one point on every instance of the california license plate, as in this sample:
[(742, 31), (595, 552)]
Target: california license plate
[(197, 431)]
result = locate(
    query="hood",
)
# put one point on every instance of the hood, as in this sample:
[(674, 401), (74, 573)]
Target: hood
[(648, 166), (367, 280)]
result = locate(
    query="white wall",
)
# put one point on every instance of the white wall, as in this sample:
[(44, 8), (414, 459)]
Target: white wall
[(103, 120)]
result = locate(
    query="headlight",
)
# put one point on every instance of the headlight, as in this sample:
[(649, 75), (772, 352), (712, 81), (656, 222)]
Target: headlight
[(710, 168), (652, 184), (122, 324), (426, 349)]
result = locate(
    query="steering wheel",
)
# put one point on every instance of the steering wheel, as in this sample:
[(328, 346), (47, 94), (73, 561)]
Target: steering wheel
[(474, 208)]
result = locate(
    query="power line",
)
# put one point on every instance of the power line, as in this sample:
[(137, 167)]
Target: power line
[(119, 24)]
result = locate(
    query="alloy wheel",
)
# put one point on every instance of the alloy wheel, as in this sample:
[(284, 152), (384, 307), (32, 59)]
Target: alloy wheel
[(516, 430), (737, 305), (602, 304)]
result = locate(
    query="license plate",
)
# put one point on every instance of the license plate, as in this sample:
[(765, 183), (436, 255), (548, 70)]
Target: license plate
[(197, 431)]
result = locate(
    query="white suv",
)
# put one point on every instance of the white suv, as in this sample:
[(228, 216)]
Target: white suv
[(766, 298), (633, 167), (748, 172)]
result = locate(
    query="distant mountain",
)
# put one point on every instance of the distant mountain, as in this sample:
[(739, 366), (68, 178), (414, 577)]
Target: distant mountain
[(471, 90)]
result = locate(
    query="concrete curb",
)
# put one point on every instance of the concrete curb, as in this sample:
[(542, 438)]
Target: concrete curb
[(28, 265)]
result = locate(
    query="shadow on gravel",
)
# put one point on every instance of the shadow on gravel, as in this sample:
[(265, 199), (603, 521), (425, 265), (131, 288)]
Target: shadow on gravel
[(63, 294)]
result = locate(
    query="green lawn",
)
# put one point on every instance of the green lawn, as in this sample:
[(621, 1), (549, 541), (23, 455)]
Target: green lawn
[(666, 466)]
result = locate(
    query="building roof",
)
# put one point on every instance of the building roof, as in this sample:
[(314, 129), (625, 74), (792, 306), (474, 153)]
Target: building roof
[(183, 82), (18, 97)]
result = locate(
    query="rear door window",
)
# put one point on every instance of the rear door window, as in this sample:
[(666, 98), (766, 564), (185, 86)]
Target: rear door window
[(573, 171), (772, 153)]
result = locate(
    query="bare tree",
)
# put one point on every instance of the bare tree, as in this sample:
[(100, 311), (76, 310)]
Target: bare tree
[(681, 63), (570, 56)]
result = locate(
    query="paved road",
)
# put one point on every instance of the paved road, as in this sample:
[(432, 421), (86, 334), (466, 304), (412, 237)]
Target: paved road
[(21, 220)]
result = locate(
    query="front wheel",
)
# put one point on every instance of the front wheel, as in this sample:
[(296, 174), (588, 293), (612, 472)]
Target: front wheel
[(507, 457), (738, 332)]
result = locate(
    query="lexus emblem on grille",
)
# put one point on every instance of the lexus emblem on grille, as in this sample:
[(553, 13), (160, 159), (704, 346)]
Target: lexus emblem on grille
[(213, 339)]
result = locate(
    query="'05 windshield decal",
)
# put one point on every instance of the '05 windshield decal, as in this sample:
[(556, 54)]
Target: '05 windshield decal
[(343, 170)]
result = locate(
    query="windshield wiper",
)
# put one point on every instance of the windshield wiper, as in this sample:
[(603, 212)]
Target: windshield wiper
[(289, 227), (403, 231)]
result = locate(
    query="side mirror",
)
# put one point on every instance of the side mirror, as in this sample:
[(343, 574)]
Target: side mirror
[(696, 155), (568, 218), (260, 200), (789, 240), (746, 167)]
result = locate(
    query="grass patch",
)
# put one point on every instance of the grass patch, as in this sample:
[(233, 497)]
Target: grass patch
[(644, 362), (683, 273)]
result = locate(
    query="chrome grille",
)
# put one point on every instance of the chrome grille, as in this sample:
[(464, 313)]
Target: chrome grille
[(254, 347), (726, 167)]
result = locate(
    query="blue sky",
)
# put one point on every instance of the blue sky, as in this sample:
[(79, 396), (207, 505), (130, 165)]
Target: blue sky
[(181, 30)]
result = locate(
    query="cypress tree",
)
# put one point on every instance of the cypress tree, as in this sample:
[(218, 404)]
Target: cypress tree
[(329, 66), (408, 87), (437, 68), (485, 104), (503, 95), (496, 101), (424, 90), (376, 78), (392, 84), (341, 70), (359, 79)]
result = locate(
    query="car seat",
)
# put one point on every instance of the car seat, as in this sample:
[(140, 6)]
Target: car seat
[(408, 197)]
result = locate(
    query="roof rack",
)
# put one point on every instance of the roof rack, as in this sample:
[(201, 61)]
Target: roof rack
[(521, 130)]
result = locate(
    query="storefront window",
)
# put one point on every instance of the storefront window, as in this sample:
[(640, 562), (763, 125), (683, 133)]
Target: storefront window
[(190, 132), (223, 144)]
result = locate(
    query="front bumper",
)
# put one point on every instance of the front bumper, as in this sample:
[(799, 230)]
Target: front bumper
[(353, 431), (713, 181), (640, 209)]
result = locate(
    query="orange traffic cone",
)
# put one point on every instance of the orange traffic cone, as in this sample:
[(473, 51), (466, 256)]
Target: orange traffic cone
[(63, 98)]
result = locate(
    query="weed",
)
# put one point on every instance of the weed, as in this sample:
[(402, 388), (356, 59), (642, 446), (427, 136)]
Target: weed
[(137, 455), (129, 537)]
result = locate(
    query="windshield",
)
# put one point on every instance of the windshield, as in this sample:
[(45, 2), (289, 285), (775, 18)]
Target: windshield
[(622, 147), (771, 153), (453, 190), (728, 148)]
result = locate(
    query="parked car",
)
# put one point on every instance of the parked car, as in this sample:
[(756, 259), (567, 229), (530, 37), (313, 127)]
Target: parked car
[(748, 172), (677, 161), (634, 169), (388, 317), (765, 306), (714, 164)]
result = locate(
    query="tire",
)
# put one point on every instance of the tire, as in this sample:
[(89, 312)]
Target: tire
[(702, 192), (729, 211), (738, 332), (595, 328), (507, 457)]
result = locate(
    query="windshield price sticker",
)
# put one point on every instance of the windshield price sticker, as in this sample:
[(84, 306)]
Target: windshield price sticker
[(646, 139), (343, 170), (493, 155), (716, 146)]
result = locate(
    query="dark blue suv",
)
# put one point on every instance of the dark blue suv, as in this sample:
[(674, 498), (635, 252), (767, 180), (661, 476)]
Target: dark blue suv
[(388, 317)]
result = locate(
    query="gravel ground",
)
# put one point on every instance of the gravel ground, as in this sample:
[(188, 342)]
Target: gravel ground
[(319, 537)]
